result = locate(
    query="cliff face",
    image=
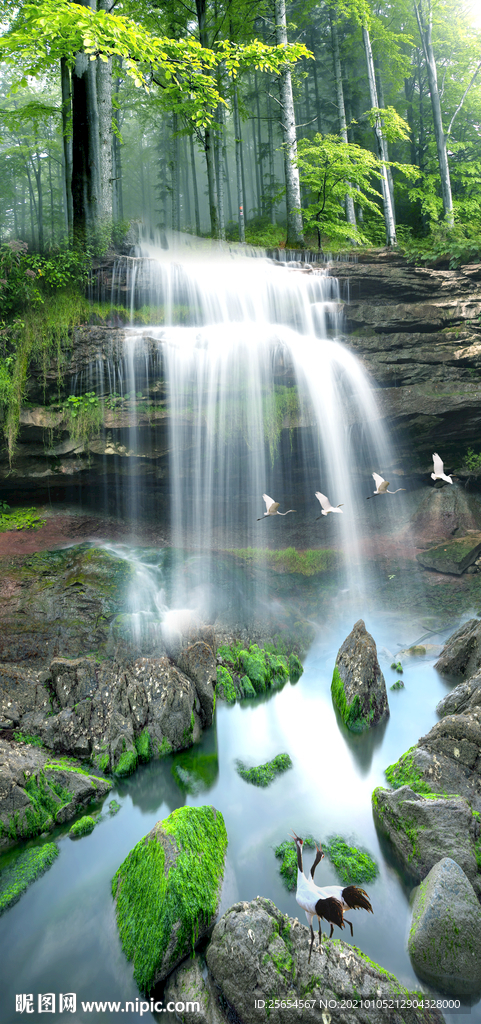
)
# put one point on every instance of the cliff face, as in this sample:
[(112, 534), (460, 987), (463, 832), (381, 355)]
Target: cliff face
[(418, 333)]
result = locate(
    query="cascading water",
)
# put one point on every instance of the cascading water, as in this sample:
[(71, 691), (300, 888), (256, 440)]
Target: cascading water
[(250, 393)]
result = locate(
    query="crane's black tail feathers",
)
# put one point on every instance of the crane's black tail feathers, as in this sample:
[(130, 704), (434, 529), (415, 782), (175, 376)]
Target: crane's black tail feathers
[(331, 910), (356, 898)]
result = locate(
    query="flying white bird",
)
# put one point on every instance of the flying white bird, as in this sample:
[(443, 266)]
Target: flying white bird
[(310, 898), (382, 486), (439, 473), (272, 507), (351, 897), (326, 505)]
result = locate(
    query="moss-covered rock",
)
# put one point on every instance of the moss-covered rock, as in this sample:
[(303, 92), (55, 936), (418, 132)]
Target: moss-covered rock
[(452, 556), (225, 687), (247, 672), (287, 853), (264, 774), (18, 875), (82, 827), (295, 667), (353, 865), (358, 688), (167, 891)]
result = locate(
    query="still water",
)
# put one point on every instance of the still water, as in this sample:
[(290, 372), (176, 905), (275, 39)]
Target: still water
[(61, 937)]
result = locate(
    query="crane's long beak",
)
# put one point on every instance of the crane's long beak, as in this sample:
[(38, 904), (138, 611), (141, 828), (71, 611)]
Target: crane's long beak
[(294, 835)]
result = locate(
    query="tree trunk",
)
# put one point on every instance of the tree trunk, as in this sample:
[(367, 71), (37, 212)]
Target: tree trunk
[(117, 192), (238, 167), (104, 98), (295, 237), (85, 149), (194, 187), (67, 144), (209, 146), (175, 176), (272, 175), (259, 146), (425, 30), (350, 212), (382, 145), (219, 169)]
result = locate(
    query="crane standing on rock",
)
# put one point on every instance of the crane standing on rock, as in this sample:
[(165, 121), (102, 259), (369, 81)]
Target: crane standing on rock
[(351, 897), (312, 901)]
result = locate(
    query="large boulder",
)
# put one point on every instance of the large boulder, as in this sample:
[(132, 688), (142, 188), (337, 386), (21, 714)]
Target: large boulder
[(452, 556), (464, 698), (461, 655), (446, 760), (257, 960), (358, 687), (39, 791), (423, 830), (167, 891), (445, 938)]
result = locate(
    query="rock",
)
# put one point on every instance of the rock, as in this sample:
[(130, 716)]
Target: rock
[(38, 791), (453, 556), (444, 513), (445, 938), (191, 983), (464, 697), (423, 831), (158, 916), (461, 654), (358, 687), (257, 954), (198, 662)]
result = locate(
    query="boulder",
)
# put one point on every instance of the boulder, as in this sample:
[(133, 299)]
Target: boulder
[(39, 791), (440, 761), (198, 662), (461, 655), (191, 983), (358, 687), (445, 938), (463, 698), (444, 513), (452, 556), (168, 889), (424, 830), (257, 959)]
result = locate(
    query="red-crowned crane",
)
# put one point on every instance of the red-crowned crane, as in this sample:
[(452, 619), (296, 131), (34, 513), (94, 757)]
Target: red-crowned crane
[(382, 486), (310, 898), (326, 505), (272, 507), (438, 467), (352, 897)]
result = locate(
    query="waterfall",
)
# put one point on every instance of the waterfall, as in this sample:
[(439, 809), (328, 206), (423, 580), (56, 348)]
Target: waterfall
[(261, 398)]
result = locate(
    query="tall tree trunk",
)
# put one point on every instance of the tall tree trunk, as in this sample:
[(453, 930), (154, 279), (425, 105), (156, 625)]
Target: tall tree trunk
[(52, 207), (425, 24), (219, 169), (239, 168), (194, 186), (209, 150), (227, 174), (85, 149), (382, 144), (117, 191), (104, 106), (295, 237), (175, 176), (350, 212), (382, 104), (259, 146), (67, 144), (272, 174)]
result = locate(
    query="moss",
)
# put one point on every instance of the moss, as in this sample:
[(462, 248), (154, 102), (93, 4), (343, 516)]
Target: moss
[(101, 761), (254, 664), (16, 878), (352, 865), (151, 900), (396, 665), (114, 807), (21, 519), (264, 774), (194, 771), (143, 746), (47, 797), (288, 560), (404, 773), (295, 668), (225, 686), (288, 869), (164, 748), (350, 713), (82, 827), (247, 687), (398, 685), (21, 737), (127, 763)]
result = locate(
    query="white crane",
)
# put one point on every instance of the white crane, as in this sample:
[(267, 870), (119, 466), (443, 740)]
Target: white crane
[(272, 507), (326, 505), (351, 897), (382, 486), (313, 902), (438, 467)]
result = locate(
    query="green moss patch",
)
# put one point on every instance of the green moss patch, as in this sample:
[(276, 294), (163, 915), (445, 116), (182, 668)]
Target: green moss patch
[(353, 866), (47, 797), (404, 773), (294, 667), (114, 808), (194, 772), (153, 897), (306, 563), (287, 853), (398, 685), (127, 764), (20, 519), (16, 878), (143, 746), (225, 685), (264, 774), (350, 713), (82, 827), (260, 669)]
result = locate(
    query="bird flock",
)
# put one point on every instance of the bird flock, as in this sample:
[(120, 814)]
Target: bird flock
[(382, 485)]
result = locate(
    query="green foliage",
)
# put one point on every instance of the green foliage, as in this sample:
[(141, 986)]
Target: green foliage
[(404, 773), (188, 893), (472, 460), (306, 563), (350, 713), (82, 827), (85, 415), (47, 797), (398, 685), (114, 808), (143, 746), (260, 669), (287, 852), (225, 685), (16, 878), (396, 665), (353, 866), (443, 245), (295, 668), (127, 764), (21, 737), (20, 519), (264, 774)]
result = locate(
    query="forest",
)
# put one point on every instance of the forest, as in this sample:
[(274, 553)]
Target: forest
[(330, 125)]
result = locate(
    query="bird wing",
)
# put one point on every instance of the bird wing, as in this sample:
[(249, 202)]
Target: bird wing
[(270, 503), (356, 898), (438, 464), (331, 910), (326, 504), (378, 480)]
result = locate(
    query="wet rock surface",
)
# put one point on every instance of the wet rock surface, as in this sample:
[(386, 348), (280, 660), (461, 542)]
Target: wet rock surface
[(37, 791), (358, 686), (445, 937), (258, 953), (461, 655), (424, 830), (452, 556)]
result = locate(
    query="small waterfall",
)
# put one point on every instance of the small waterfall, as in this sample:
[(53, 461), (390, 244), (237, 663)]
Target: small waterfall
[(261, 398)]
